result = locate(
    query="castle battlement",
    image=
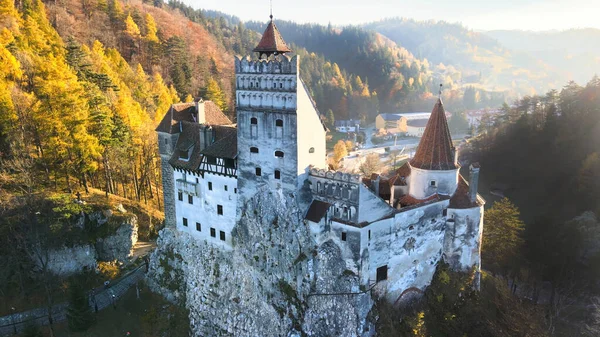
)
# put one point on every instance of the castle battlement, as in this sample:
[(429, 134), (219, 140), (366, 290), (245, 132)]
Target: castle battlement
[(279, 64), (335, 175)]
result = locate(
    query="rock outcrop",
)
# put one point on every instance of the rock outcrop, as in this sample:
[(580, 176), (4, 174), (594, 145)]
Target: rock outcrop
[(119, 246), (113, 238), (276, 281)]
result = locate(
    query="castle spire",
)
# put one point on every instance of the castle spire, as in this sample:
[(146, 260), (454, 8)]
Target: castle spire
[(435, 151), (271, 41)]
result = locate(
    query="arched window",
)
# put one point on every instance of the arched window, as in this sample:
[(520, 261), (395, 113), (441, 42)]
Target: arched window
[(279, 122), (280, 85), (279, 154), (253, 121), (253, 150), (251, 84), (274, 85)]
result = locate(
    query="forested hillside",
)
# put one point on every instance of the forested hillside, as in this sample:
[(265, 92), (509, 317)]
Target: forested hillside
[(401, 81), (481, 60), (543, 155)]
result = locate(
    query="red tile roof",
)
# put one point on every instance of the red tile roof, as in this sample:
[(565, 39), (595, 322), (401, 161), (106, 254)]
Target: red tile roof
[(317, 211), (401, 175), (271, 41), (435, 151), (408, 200), (461, 198), (186, 112)]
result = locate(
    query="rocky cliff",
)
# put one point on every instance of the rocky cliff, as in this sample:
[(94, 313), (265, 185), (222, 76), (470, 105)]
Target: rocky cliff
[(276, 281), (109, 237)]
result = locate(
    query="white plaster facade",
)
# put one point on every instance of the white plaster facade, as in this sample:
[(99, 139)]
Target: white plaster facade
[(425, 183), (210, 195)]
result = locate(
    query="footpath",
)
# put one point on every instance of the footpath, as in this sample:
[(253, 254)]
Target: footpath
[(99, 298)]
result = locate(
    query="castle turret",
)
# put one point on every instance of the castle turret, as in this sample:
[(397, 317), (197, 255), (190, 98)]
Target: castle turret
[(473, 181), (434, 168), (272, 42)]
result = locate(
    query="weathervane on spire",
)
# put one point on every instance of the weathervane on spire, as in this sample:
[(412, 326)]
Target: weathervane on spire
[(271, 16), (440, 93)]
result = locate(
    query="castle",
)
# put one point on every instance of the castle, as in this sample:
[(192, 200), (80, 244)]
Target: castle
[(395, 229)]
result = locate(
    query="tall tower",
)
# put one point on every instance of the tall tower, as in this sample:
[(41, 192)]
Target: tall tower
[(280, 133), (434, 168)]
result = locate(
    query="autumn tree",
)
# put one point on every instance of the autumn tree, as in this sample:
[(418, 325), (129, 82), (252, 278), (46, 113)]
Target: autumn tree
[(215, 94), (339, 151), (371, 164)]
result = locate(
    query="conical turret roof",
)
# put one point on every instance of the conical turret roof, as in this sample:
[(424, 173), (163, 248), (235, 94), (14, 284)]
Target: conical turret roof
[(271, 41), (435, 151)]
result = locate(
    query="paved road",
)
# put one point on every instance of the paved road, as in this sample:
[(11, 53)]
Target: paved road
[(104, 297)]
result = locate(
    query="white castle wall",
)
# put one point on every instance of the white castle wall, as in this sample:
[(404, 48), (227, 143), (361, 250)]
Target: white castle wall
[(259, 101), (462, 244), (420, 182), (311, 135), (204, 209)]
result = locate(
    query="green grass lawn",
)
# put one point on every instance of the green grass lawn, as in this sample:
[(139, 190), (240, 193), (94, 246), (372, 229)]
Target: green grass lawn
[(149, 316)]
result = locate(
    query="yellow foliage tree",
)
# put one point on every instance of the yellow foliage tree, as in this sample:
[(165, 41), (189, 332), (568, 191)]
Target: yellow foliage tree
[(339, 151), (151, 29), (131, 27)]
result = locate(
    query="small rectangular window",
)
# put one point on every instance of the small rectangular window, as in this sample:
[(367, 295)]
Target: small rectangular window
[(190, 199), (277, 174), (185, 222), (343, 236), (258, 172), (222, 235), (197, 181), (382, 273), (180, 196), (281, 85), (369, 234), (445, 212), (235, 190), (225, 188), (432, 183), (209, 186), (219, 209), (166, 141), (198, 227), (213, 232)]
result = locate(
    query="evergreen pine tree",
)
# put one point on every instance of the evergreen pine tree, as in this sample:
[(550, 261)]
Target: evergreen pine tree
[(79, 313)]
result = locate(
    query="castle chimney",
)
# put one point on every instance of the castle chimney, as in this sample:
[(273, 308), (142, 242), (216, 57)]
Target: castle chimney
[(201, 118), (473, 181), (455, 155), (375, 184)]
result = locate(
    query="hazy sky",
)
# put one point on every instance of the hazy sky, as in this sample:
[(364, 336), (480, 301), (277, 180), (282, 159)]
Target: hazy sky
[(476, 14)]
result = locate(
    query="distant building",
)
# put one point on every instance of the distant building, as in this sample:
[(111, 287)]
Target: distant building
[(350, 125), (416, 127), (474, 116), (398, 123)]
